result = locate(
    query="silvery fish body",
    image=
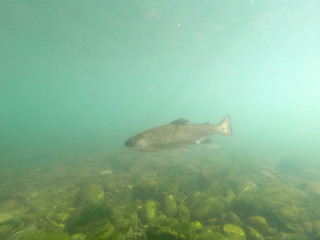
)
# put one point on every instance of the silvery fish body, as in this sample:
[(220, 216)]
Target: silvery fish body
[(178, 134)]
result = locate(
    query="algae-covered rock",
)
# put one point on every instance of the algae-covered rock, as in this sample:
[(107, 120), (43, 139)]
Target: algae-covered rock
[(149, 211), (229, 196), (295, 228), (79, 236), (285, 204), (246, 204), (163, 220), (316, 229), (161, 233), (184, 229), (253, 234), (290, 213), (234, 231), (6, 230), (11, 209), (260, 224), (60, 217), (125, 218), (5, 217), (91, 219), (196, 225), (205, 208), (123, 224), (109, 232), (90, 194), (290, 236), (233, 219), (43, 235), (178, 231), (184, 214), (308, 227), (209, 235), (169, 206)]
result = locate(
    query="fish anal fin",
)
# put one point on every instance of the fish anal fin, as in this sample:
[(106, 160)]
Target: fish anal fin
[(180, 121)]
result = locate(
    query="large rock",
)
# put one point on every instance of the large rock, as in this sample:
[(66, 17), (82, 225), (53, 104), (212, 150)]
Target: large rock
[(204, 208), (253, 234), (234, 231), (209, 235), (149, 211), (89, 218), (233, 218), (285, 204), (179, 231), (295, 228), (260, 224), (169, 206), (246, 204), (90, 194), (184, 214)]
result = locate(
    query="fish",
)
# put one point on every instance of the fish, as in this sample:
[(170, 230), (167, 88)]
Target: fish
[(178, 134)]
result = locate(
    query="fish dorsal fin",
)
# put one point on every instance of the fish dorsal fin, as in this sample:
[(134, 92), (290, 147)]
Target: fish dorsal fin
[(180, 121)]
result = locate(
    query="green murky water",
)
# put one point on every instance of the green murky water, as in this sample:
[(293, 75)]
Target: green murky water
[(78, 78)]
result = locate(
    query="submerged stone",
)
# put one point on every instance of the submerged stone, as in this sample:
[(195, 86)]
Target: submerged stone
[(149, 211), (246, 205), (79, 236), (163, 220), (253, 234), (169, 206), (92, 218), (295, 228), (233, 218), (196, 225), (90, 194), (308, 227), (6, 230), (206, 208), (179, 231), (4, 217), (260, 224), (234, 231), (291, 236), (184, 214), (43, 235)]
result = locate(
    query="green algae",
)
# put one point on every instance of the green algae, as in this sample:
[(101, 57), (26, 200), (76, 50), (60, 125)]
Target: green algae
[(150, 205), (89, 219), (149, 211)]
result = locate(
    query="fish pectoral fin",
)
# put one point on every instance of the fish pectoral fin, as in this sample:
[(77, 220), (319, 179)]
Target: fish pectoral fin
[(180, 121), (184, 149), (204, 140)]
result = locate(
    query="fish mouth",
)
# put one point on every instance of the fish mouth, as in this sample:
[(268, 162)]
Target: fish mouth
[(128, 143), (134, 145)]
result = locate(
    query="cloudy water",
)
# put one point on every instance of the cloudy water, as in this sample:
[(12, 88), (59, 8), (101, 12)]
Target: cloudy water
[(79, 78)]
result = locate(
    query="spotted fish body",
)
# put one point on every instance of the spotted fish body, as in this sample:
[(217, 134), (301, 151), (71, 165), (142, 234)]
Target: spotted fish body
[(178, 134)]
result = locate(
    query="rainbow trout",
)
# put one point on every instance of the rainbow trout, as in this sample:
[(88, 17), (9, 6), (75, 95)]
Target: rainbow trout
[(178, 134)]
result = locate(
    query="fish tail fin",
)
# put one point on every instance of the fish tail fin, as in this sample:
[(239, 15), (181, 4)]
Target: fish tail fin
[(225, 126)]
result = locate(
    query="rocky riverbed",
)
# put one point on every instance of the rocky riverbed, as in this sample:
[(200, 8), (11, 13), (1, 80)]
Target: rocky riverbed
[(195, 195)]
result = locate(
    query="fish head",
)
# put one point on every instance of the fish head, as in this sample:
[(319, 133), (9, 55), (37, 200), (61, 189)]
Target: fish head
[(137, 144)]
